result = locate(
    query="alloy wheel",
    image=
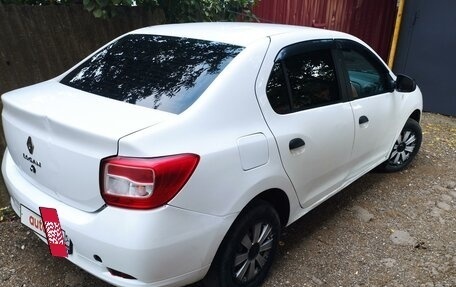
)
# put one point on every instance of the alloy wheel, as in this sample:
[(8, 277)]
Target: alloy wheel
[(403, 148), (253, 252)]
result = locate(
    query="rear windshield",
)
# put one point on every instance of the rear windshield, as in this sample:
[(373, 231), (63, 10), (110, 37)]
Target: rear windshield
[(158, 72)]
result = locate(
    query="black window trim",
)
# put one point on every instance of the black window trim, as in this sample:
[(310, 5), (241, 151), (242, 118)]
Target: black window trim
[(287, 82), (310, 46)]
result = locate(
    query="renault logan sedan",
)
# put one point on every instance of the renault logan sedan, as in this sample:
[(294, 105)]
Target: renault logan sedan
[(178, 152)]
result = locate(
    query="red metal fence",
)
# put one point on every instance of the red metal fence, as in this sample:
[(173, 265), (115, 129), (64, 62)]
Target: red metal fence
[(370, 20)]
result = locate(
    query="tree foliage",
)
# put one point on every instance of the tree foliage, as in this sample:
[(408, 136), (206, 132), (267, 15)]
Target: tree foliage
[(175, 10), (109, 8), (205, 10)]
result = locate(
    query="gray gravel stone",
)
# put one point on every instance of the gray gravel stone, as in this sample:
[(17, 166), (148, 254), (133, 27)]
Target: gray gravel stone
[(444, 206), (73, 279), (362, 214), (436, 212), (317, 281), (400, 237), (388, 262), (451, 184), (446, 198), (440, 188), (5, 274)]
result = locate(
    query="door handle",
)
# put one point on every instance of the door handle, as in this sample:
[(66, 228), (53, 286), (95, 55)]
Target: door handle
[(296, 143), (363, 120)]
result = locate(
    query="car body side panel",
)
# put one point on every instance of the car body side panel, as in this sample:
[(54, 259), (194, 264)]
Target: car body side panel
[(372, 139), (211, 128), (322, 164), (409, 103)]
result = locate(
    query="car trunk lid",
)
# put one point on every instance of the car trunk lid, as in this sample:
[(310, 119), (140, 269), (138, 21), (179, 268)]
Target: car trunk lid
[(58, 135)]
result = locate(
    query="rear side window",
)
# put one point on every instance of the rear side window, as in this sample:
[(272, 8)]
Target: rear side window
[(303, 81), (277, 90), (158, 72), (313, 79)]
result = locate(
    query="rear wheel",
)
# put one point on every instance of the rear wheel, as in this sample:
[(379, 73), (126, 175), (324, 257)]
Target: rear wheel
[(247, 252), (405, 148)]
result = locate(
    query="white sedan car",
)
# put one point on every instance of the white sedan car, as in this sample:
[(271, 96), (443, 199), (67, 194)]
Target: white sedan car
[(178, 152)]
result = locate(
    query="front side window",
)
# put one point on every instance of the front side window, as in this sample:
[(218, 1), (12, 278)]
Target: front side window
[(158, 72), (303, 81), (366, 77)]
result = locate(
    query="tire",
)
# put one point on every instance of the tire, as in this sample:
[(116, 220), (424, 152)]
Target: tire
[(405, 148), (240, 260)]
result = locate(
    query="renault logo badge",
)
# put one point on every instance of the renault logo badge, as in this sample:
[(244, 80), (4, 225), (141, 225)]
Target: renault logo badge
[(30, 145)]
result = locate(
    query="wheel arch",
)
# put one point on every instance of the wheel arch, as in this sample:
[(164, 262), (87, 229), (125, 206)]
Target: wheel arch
[(416, 115), (279, 200), (276, 197)]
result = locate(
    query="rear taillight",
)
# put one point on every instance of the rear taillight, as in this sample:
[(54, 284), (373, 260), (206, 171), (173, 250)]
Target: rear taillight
[(144, 183)]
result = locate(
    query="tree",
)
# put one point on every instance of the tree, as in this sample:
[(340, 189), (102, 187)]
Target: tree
[(205, 10), (175, 10), (108, 8)]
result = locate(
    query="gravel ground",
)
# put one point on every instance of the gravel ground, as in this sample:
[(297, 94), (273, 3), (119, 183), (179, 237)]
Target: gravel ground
[(383, 230)]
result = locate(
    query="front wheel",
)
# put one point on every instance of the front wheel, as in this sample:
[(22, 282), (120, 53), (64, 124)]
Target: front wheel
[(247, 251), (405, 148)]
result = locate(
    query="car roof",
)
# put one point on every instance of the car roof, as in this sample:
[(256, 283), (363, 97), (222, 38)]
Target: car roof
[(236, 33)]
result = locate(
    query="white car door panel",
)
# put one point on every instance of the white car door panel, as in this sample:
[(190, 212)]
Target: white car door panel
[(322, 164), (374, 104), (373, 137), (311, 122)]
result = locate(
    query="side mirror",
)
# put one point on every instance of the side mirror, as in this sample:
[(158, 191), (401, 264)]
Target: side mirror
[(405, 84)]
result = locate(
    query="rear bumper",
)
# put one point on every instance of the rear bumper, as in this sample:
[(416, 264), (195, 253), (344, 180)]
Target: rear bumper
[(167, 246)]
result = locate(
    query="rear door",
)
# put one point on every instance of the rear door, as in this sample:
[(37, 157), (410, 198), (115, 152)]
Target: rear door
[(311, 121)]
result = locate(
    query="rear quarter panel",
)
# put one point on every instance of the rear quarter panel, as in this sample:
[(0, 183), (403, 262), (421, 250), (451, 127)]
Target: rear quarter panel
[(211, 128)]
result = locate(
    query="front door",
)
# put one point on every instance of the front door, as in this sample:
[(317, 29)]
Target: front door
[(374, 103)]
